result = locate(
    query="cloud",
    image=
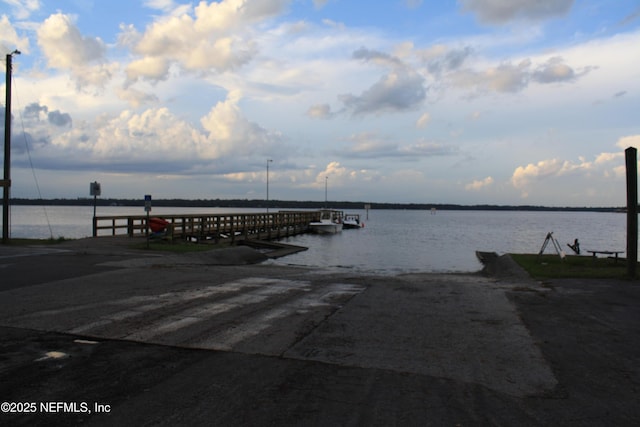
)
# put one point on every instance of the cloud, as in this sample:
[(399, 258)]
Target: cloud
[(129, 140), (423, 121), (629, 141), (604, 158), (136, 97), (428, 149), (523, 176), (39, 125), (441, 59), (605, 165), (157, 136), (65, 48), (229, 132), (369, 146), (479, 184), (151, 68), (9, 39), (374, 56), (512, 78), (57, 118), (34, 113), (400, 90), (22, 9), (337, 175), (502, 12), (320, 111), (164, 5), (553, 71), (152, 140), (216, 36), (128, 36), (504, 78)]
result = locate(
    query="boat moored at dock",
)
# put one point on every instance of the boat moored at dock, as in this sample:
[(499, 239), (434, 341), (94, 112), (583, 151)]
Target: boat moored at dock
[(330, 222), (352, 221)]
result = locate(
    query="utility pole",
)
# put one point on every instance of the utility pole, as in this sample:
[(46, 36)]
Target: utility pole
[(326, 180), (268, 161), (6, 181), (631, 155)]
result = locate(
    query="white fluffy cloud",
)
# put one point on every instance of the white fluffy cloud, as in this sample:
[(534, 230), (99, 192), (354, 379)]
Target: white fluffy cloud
[(337, 175), (479, 184), (524, 175), (65, 48), (605, 165), (216, 36), (9, 39), (229, 132), (154, 139), (629, 141)]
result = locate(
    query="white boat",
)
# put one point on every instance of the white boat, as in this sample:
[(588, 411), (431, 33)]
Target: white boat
[(352, 221), (330, 222)]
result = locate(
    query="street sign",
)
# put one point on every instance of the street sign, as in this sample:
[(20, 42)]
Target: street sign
[(147, 202), (94, 188)]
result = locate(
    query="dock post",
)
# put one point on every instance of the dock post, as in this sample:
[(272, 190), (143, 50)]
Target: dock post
[(632, 210)]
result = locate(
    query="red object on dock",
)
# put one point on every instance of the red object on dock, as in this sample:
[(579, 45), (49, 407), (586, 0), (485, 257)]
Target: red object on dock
[(157, 224)]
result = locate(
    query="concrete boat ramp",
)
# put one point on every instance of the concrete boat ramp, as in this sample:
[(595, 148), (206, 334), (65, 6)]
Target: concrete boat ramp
[(168, 340)]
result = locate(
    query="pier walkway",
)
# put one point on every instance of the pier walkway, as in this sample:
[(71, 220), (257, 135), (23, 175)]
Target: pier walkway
[(215, 227)]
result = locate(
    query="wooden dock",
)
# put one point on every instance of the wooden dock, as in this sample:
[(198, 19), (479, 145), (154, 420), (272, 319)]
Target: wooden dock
[(212, 227)]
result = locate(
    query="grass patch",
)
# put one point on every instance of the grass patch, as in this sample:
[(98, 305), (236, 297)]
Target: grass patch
[(26, 242), (573, 266)]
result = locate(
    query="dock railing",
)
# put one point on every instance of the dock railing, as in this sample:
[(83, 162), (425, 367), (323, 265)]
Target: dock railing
[(230, 227)]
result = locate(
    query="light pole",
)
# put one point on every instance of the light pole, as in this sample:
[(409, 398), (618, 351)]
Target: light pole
[(268, 161), (326, 179), (6, 181)]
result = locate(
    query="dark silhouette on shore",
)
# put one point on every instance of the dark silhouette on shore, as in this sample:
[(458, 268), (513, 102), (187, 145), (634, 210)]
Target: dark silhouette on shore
[(298, 204)]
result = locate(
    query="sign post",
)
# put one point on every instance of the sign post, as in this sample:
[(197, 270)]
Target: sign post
[(94, 190), (147, 209)]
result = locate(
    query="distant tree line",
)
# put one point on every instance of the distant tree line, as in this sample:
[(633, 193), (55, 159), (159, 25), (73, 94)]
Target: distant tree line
[(293, 204)]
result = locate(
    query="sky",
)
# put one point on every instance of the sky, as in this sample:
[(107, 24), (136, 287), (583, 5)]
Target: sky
[(521, 102)]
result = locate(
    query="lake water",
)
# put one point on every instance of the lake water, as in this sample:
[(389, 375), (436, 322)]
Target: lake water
[(392, 241)]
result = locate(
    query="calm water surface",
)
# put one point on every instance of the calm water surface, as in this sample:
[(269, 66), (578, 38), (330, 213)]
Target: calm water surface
[(410, 241), (392, 241)]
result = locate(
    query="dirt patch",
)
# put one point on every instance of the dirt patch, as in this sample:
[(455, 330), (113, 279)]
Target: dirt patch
[(501, 266)]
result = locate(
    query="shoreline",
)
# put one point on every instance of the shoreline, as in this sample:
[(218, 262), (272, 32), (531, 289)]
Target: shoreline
[(304, 204)]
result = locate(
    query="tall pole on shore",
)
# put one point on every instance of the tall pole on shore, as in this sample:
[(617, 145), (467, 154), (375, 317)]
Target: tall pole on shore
[(631, 155), (326, 180), (6, 181), (268, 161)]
